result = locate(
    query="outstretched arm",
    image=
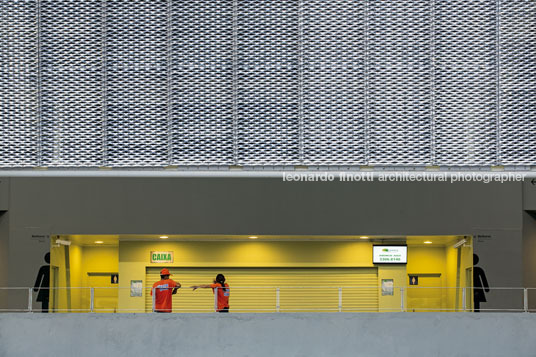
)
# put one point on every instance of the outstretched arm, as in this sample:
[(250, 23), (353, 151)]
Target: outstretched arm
[(176, 288), (205, 286)]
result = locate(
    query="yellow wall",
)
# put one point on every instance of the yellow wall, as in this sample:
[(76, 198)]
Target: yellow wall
[(398, 274), (105, 260), (130, 259), (82, 260), (75, 255), (58, 297), (134, 257), (429, 264), (437, 267), (253, 253), (456, 275)]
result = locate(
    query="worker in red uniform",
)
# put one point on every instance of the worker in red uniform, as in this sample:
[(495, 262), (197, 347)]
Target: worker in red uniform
[(223, 292), (164, 289)]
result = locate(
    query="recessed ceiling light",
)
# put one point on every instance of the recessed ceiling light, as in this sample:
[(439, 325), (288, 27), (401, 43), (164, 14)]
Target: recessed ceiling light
[(98, 242), (253, 237), (427, 242), (164, 237), (364, 237)]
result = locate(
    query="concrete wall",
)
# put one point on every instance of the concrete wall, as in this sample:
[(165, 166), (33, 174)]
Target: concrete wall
[(529, 194), (4, 237), (393, 334), (4, 194), (4, 255), (529, 254), (262, 205), (40, 207), (529, 238)]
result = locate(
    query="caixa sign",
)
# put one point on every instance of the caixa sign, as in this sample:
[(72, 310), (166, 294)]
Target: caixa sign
[(161, 257)]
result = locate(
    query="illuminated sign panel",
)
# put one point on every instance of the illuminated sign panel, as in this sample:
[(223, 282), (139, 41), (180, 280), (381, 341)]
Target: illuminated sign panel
[(388, 254)]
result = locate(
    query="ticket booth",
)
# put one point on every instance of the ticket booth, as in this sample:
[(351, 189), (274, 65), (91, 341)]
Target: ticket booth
[(266, 273)]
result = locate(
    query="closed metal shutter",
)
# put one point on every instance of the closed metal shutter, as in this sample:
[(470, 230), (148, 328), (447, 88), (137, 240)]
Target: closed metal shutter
[(255, 289)]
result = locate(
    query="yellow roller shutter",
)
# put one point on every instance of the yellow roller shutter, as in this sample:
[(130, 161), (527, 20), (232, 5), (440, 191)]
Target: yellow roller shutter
[(255, 289)]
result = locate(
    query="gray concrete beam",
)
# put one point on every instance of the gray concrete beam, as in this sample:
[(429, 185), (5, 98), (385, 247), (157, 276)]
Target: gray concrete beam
[(346, 334)]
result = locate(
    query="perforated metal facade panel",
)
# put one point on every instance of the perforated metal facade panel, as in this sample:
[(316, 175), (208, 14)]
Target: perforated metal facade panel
[(465, 83), (333, 85), (518, 83), (399, 82), (152, 83), (202, 82), (19, 129), (71, 84)]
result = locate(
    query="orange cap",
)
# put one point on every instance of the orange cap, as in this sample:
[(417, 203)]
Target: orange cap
[(164, 271)]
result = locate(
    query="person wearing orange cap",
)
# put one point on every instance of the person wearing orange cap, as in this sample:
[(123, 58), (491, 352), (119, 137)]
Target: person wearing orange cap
[(164, 289)]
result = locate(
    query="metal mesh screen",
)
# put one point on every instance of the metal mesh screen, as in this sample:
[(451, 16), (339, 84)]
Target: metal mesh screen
[(19, 129), (399, 82), (267, 93), (152, 83), (71, 66), (136, 83), (333, 85), (465, 83), (518, 83), (202, 82)]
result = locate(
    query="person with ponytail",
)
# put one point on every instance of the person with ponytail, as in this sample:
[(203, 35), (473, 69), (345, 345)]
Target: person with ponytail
[(223, 292)]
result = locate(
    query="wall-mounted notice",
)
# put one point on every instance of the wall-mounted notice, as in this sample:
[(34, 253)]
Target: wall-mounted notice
[(136, 288), (388, 287), (389, 254)]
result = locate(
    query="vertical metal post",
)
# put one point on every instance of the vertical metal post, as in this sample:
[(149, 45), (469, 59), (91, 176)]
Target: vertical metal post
[(340, 299), (169, 84), (154, 300), (92, 299), (30, 300), (104, 75), (526, 300), (366, 84), (432, 80), (235, 82), (402, 299), (498, 80), (300, 84), (39, 86), (216, 299), (277, 300), (464, 298)]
